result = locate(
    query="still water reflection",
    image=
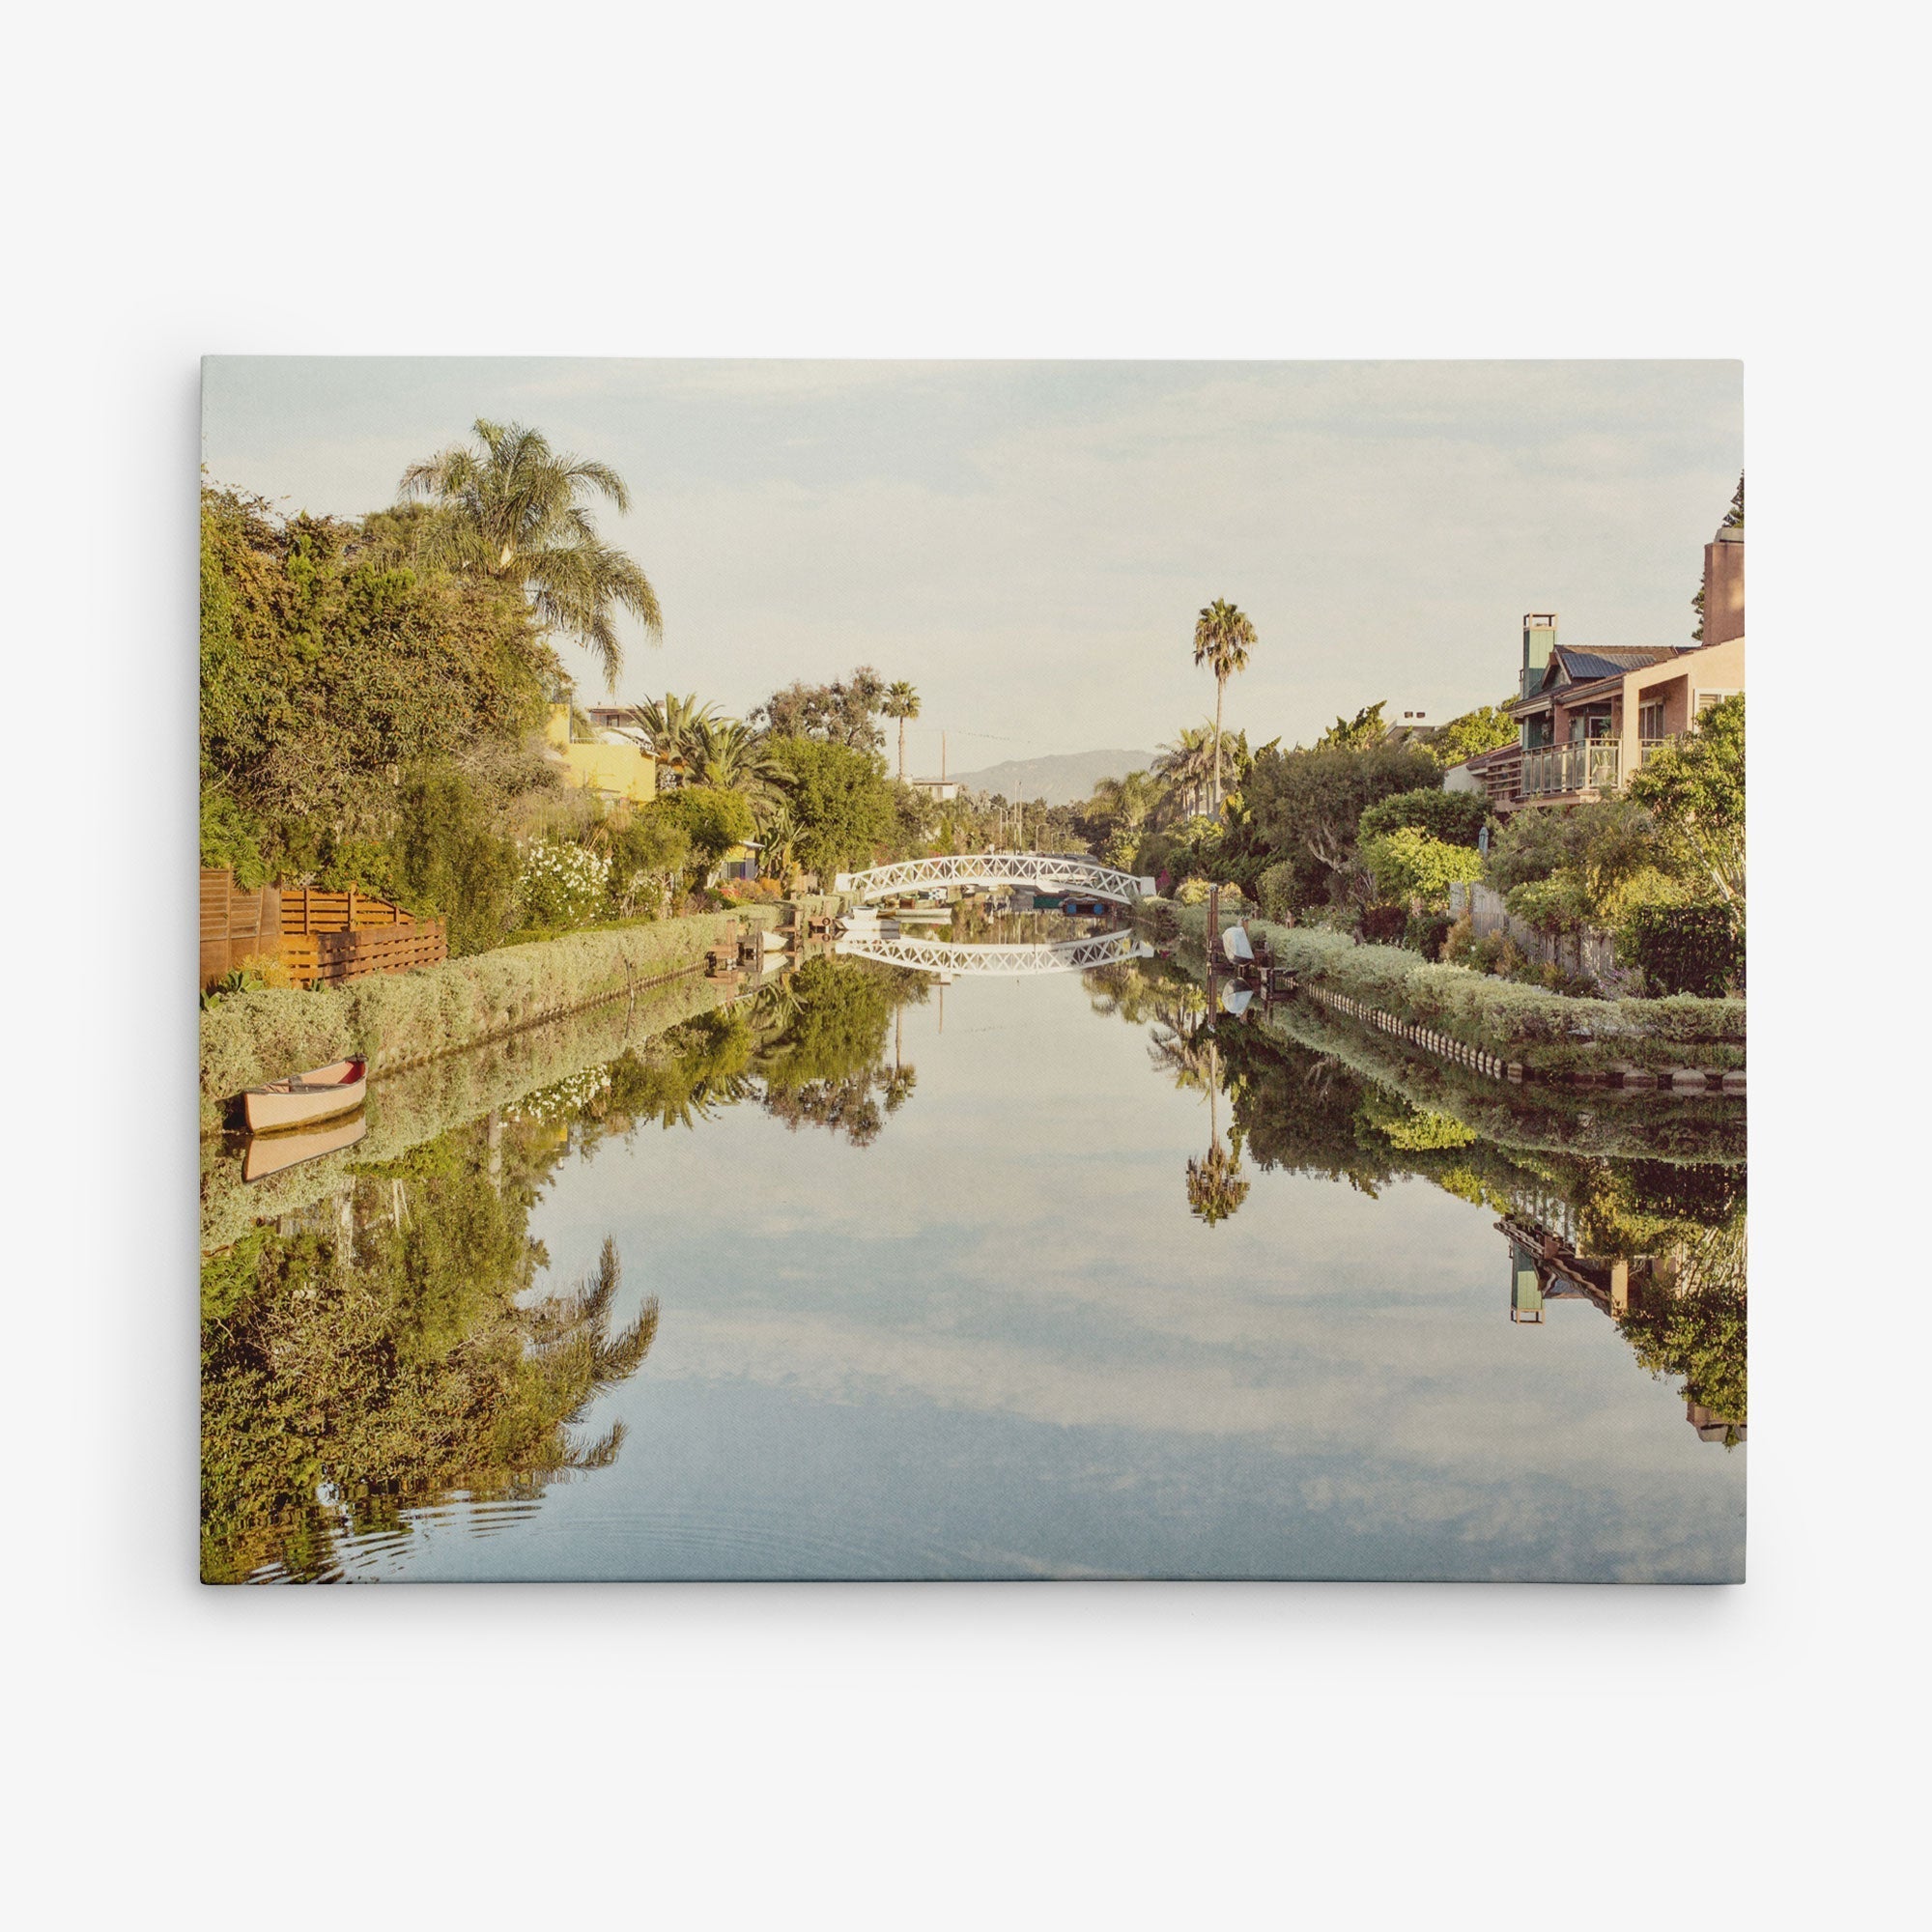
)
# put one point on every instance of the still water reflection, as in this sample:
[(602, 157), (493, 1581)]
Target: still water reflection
[(870, 1275)]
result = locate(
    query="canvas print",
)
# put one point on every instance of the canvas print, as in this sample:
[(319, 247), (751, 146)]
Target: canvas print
[(972, 970)]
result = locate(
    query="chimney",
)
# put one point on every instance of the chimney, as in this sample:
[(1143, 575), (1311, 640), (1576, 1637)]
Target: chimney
[(1539, 639), (1724, 585)]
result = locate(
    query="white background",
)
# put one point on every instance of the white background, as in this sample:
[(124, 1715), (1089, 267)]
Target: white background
[(1042, 180)]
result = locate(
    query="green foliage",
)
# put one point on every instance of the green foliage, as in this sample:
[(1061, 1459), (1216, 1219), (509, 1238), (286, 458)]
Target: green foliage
[(1411, 867), (1543, 1030), (1558, 903), (1695, 789), (841, 802), (230, 837), (845, 713), (343, 1384), (1363, 733), (1483, 730), (1455, 817), (1697, 1328), (1274, 894), (1684, 948), (512, 514), (1305, 807), (1402, 1125), (560, 884), (451, 859), (714, 819), (330, 670)]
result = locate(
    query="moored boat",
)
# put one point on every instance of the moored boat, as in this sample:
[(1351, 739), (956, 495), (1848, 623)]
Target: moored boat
[(315, 1095)]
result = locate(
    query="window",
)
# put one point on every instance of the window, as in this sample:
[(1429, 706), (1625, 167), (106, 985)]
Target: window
[(1650, 720), (1706, 698)]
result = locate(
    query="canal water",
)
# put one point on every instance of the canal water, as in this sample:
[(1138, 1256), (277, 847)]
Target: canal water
[(878, 1277)]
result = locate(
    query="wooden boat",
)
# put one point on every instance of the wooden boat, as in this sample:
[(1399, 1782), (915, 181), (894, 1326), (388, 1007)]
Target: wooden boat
[(269, 1154), (771, 941), (315, 1095), (1235, 942)]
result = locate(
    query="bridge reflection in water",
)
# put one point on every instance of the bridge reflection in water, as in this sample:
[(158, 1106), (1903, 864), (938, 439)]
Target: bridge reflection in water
[(950, 959)]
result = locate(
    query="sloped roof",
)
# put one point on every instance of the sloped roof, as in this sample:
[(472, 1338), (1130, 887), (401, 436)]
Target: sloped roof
[(1610, 660), (1493, 755)]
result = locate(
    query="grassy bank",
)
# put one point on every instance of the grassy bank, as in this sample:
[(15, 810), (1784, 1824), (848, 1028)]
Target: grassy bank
[(1546, 1033), (398, 1019)]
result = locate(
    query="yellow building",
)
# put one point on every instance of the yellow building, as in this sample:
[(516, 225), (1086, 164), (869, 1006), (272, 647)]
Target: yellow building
[(607, 762)]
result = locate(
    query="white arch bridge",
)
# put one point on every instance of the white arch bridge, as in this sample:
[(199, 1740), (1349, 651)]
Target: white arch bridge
[(1044, 871), (941, 956)]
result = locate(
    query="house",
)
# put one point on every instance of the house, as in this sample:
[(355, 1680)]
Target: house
[(738, 862), (607, 762), (1588, 718), (940, 790)]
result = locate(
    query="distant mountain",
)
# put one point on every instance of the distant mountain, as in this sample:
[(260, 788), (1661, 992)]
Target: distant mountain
[(1064, 780)]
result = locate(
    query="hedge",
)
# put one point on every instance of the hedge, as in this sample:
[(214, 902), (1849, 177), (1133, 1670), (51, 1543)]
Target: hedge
[(396, 1019), (1544, 1032)]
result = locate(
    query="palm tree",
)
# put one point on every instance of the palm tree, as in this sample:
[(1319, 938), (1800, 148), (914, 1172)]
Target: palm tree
[(728, 753), (669, 730), (1187, 765), (902, 702), (1222, 641), (512, 511), (1216, 1185)]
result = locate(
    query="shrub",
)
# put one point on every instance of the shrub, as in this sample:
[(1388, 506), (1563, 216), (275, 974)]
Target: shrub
[(1455, 817), (1415, 865), (230, 837), (1380, 923), (1274, 894), (1459, 943), (561, 885), (1426, 933), (1684, 948), (1554, 904)]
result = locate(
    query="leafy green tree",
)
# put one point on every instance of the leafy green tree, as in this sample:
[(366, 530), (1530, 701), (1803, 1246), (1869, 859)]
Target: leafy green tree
[(1695, 789), (715, 818), (1412, 869), (328, 673), (514, 511), (1306, 807), (1223, 638), (840, 803), (1456, 817), (1486, 728), (845, 713), (901, 702), (1365, 732)]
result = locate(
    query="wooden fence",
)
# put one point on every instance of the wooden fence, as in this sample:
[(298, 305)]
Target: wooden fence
[(321, 937)]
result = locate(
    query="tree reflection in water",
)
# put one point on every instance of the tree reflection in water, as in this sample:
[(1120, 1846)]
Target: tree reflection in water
[(382, 1350), (1658, 1245)]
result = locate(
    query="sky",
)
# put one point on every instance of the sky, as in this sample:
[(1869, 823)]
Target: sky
[(1029, 542)]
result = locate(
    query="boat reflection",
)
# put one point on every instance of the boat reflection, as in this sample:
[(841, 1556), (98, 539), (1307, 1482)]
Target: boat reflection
[(274, 1154)]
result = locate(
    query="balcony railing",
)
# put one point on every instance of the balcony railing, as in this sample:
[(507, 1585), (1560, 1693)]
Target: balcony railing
[(1648, 747), (1586, 765)]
